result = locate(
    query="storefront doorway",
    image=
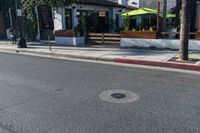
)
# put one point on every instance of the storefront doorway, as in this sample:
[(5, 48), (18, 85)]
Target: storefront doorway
[(45, 23), (103, 22), (68, 19)]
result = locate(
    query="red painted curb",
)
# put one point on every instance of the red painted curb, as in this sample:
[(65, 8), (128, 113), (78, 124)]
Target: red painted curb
[(159, 64)]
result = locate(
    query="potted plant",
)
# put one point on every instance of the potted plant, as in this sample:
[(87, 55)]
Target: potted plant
[(82, 25), (65, 33), (69, 37), (75, 37), (145, 34), (136, 34)]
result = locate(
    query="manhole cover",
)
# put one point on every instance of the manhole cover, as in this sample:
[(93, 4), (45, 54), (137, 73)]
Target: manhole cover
[(118, 96)]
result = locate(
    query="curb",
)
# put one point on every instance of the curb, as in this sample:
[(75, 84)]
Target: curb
[(57, 54), (69, 56), (117, 60), (159, 64)]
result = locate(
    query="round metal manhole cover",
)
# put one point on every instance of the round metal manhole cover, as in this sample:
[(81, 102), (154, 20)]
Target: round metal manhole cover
[(118, 96)]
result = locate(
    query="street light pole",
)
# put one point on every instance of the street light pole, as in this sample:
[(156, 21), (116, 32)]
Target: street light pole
[(22, 40)]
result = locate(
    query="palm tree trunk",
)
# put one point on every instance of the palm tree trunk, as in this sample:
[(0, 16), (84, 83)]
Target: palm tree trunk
[(185, 29)]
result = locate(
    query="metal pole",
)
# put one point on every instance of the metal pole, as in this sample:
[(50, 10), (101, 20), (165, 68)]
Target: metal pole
[(164, 16), (49, 43), (158, 15)]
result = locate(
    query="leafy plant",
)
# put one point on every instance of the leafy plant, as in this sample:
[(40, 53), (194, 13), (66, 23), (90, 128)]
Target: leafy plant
[(121, 29), (82, 25), (126, 29), (133, 29), (151, 29), (30, 21), (127, 22), (76, 29)]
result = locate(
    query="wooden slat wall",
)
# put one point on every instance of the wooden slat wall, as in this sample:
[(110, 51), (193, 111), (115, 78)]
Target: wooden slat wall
[(103, 38)]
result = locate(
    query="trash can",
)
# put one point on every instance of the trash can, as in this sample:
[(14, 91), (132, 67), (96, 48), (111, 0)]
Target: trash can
[(22, 43)]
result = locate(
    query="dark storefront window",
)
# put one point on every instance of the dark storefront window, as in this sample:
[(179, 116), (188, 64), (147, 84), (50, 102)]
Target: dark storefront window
[(68, 18), (103, 22), (95, 21), (46, 23), (117, 21), (198, 13), (45, 15)]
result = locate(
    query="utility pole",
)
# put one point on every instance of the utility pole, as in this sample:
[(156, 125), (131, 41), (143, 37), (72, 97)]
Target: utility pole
[(22, 40)]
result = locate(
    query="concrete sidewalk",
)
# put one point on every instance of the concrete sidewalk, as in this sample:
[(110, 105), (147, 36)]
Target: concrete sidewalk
[(131, 56), (98, 53)]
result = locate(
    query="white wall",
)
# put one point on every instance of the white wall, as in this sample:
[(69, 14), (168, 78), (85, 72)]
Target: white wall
[(158, 43), (73, 41), (122, 2), (59, 19), (134, 3)]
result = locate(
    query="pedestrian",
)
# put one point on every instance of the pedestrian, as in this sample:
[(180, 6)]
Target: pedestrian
[(14, 37)]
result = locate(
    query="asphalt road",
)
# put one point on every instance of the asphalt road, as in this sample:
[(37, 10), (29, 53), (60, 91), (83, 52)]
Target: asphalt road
[(41, 95)]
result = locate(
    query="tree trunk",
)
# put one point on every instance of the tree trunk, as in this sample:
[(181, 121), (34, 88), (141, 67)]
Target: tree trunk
[(185, 29)]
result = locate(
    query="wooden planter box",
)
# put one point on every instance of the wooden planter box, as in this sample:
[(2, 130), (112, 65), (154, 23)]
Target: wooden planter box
[(62, 33), (139, 34), (68, 38), (198, 35)]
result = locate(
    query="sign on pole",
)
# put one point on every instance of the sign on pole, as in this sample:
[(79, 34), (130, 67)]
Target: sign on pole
[(19, 12)]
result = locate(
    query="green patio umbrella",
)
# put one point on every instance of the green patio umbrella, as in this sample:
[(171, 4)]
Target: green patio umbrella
[(136, 14), (141, 11), (171, 16)]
